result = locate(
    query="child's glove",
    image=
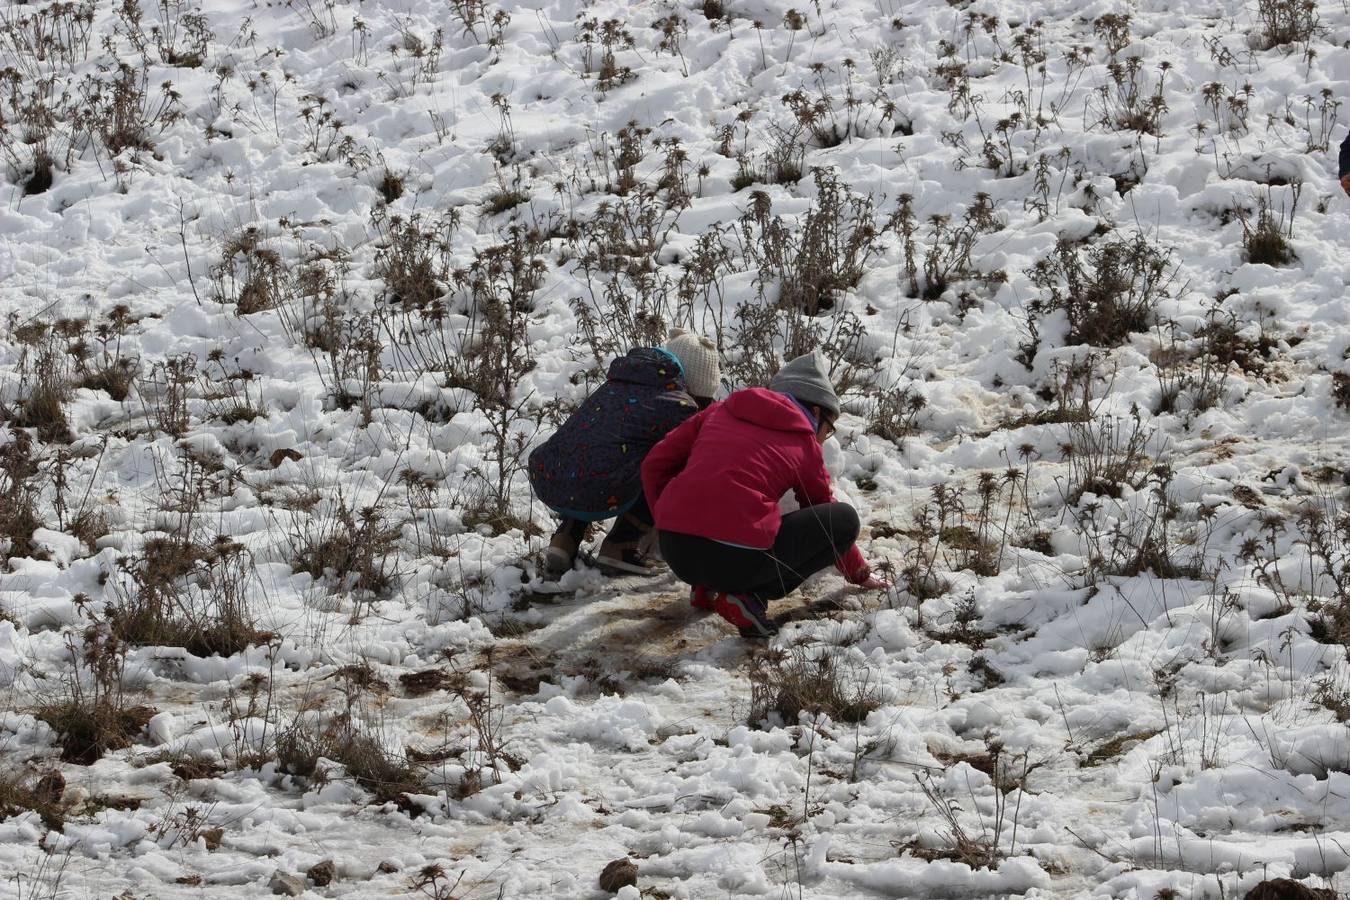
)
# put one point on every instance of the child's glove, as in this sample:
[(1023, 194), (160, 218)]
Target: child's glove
[(864, 578)]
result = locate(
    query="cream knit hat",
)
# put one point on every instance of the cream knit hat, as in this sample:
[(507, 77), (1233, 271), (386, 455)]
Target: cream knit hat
[(698, 358)]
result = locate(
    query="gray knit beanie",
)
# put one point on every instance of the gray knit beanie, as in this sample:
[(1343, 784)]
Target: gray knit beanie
[(805, 379), (698, 358)]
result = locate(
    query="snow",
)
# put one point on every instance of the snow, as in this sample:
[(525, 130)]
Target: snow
[(1149, 730)]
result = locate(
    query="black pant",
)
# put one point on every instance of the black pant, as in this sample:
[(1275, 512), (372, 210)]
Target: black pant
[(808, 540), (633, 523)]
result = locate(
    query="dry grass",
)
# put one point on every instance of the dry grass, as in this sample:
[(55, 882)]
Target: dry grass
[(979, 847), (411, 260), (350, 548), (1340, 390), (1105, 455), (1287, 21), (251, 275), (115, 377), (784, 684), (93, 716), (18, 496), (303, 746), (965, 628), (87, 732), (21, 792), (43, 410), (895, 414), (44, 390), (165, 392), (813, 263), (391, 186), (1108, 290), (1323, 527), (1265, 234), (125, 110), (504, 199), (190, 596), (975, 850)]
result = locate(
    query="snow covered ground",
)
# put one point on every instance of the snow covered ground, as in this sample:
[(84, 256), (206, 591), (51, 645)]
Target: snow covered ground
[(279, 334)]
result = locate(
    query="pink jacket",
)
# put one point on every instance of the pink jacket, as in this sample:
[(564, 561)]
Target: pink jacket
[(720, 473)]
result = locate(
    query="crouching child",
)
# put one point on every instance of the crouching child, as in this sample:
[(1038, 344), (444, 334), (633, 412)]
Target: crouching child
[(715, 482), (590, 469)]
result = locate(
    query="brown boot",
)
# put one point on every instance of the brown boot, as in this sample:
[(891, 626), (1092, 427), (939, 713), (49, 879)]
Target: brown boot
[(623, 559), (563, 546)]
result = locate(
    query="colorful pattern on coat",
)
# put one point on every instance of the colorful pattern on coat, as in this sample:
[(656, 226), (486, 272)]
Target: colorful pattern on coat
[(593, 464)]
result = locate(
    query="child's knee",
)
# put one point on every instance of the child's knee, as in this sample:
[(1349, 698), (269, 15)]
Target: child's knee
[(847, 522)]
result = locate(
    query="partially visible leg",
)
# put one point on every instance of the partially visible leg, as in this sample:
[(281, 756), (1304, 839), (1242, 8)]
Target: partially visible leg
[(563, 547), (710, 564), (619, 550), (575, 530), (746, 579), (631, 525), (808, 540), (718, 572)]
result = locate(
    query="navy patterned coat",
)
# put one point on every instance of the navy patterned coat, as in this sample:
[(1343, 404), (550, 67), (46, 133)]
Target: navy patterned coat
[(591, 468)]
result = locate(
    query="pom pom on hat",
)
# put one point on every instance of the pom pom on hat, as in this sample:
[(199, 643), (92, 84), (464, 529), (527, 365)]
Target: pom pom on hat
[(699, 360)]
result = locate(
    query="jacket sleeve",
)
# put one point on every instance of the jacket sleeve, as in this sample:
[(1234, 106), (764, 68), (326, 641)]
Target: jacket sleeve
[(667, 458), (813, 481), (813, 487), (1344, 168), (854, 567)]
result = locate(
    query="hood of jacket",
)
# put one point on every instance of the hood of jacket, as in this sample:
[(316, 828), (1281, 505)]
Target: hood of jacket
[(649, 367), (768, 409)]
